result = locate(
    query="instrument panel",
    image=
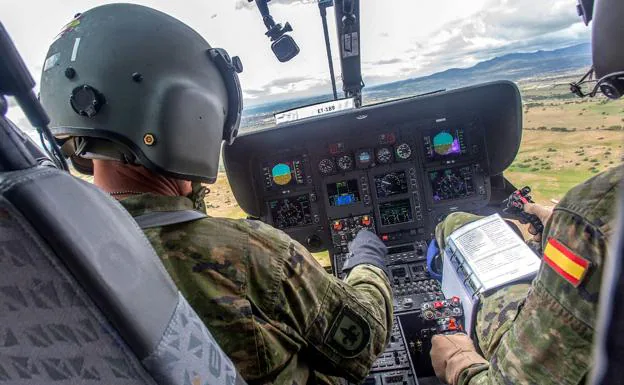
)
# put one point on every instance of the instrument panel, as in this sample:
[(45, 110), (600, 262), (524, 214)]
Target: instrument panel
[(405, 180), (396, 169)]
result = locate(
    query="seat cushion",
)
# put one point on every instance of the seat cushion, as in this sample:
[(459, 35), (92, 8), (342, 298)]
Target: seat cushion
[(50, 330)]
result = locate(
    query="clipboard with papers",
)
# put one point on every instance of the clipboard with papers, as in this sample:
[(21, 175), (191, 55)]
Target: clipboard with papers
[(482, 257)]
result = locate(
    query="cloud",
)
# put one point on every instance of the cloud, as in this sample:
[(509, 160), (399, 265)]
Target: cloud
[(286, 81), (501, 23), (289, 88), (252, 93), (298, 86), (499, 28), (387, 61), (244, 4)]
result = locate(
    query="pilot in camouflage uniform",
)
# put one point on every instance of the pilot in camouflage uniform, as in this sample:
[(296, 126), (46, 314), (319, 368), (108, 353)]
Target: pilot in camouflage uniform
[(146, 119), (272, 307), (542, 333)]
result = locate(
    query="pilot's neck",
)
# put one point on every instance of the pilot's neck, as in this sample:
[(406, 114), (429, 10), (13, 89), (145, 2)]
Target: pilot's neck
[(123, 180)]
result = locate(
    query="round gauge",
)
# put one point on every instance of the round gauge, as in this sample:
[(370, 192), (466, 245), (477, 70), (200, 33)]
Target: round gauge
[(403, 151), (345, 163), (327, 166), (384, 155), (391, 184)]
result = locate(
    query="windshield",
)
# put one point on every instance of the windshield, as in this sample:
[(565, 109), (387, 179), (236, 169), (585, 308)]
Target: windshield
[(407, 47)]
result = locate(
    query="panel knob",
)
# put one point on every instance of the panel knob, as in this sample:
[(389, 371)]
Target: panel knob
[(314, 242)]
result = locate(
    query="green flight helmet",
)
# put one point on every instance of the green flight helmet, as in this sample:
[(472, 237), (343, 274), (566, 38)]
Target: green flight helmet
[(608, 46), (126, 82), (607, 38)]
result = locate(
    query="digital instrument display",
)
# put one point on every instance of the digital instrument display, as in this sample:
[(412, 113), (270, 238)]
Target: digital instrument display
[(291, 212), (364, 158), (391, 184), (452, 183), (343, 193), (396, 212), (284, 173), (445, 144), (400, 273), (400, 249)]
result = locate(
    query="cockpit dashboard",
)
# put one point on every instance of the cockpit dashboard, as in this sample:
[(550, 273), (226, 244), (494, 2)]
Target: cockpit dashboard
[(404, 165), (397, 169)]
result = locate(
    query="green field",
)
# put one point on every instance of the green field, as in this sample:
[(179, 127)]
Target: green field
[(566, 139), (553, 162)]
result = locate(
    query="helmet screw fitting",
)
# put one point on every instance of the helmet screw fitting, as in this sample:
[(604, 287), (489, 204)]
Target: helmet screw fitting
[(70, 73), (149, 139), (137, 77)]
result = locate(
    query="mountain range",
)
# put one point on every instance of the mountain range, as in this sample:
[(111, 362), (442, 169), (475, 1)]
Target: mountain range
[(515, 67)]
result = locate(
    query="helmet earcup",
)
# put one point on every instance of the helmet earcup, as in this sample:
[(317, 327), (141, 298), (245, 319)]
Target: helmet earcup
[(613, 88)]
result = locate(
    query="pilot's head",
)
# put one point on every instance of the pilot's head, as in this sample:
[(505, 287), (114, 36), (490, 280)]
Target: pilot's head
[(607, 43), (127, 83)]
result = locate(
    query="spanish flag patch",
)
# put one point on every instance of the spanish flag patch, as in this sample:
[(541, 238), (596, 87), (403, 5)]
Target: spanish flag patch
[(570, 266)]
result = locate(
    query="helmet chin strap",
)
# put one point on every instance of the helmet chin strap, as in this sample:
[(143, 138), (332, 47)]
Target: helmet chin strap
[(198, 196)]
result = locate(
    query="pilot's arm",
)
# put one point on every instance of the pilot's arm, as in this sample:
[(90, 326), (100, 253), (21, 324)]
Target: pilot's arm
[(346, 324), (550, 338)]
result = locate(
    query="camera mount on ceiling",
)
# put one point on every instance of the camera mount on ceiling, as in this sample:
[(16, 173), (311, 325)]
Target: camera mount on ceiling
[(283, 45)]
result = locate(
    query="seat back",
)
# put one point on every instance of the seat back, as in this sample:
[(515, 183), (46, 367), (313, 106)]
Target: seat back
[(83, 296)]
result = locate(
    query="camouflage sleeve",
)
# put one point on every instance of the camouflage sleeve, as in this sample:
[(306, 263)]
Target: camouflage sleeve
[(550, 340), (344, 324)]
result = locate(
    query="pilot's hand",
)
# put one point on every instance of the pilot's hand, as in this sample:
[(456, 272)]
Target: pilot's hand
[(451, 354), (542, 212), (366, 248)]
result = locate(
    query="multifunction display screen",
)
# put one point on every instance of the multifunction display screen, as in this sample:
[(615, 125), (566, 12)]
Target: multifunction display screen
[(283, 174), (396, 212), (444, 144), (343, 193), (452, 183), (291, 212)]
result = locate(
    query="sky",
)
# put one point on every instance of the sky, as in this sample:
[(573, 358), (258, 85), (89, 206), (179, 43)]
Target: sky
[(400, 38)]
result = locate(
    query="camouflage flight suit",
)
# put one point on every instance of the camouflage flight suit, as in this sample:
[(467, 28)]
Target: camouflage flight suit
[(542, 333), (274, 310)]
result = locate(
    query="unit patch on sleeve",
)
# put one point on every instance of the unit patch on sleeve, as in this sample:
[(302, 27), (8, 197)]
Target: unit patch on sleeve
[(349, 333), (568, 265)]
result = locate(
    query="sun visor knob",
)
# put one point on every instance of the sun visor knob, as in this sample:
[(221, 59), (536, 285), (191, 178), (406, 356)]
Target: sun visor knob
[(86, 100)]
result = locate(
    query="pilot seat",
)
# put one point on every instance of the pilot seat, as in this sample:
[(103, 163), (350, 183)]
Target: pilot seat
[(84, 299)]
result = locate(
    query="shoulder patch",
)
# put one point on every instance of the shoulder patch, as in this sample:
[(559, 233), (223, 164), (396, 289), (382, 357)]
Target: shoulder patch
[(571, 267), (349, 333)]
